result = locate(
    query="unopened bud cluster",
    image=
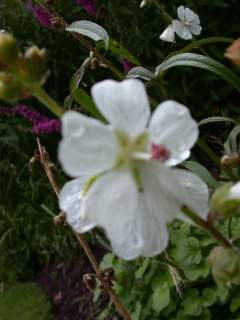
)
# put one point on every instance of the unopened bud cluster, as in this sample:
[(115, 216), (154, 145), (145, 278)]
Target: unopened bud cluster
[(225, 266), (19, 71)]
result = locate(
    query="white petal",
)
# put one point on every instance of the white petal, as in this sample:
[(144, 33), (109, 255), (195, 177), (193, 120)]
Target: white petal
[(196, 193), (88, 147), (70, 201), (112, 202), (172, 125), (181, 30), (124, 104), (145, 235), (186, 15), (162, 191), (195, 28), (168, 34)]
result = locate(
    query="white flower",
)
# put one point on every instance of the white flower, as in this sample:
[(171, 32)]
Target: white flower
[(123, 180), (234, 192), (187, 25), (168, 34)]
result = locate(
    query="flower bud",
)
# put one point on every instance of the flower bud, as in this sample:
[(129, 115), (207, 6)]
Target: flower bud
[(10, 89), (231, 160), (8, 48), (233, 52), (225, 266), (35, 63), (225, 202)]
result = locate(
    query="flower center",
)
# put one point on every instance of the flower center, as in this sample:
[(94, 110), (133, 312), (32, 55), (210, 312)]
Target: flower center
[(159, 152)]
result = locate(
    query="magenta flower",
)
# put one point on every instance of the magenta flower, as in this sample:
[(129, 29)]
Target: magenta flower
[(88, 5), (40, 14), (40, 124), (127, 65)]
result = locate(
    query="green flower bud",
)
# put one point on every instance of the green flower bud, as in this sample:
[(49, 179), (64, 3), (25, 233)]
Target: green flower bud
[(225, 202), (225, 266), (35, 63), (8, 48), (10, 89)]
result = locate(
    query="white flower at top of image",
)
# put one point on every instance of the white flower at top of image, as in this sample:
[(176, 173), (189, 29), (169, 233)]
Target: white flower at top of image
[(123, 180), (187, 25)]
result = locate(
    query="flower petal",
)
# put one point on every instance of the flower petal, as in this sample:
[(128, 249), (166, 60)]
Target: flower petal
[(124, 104), (172, 125), (162, 191), (195, 28), (111, 203), (145, 235), (70, 201), (168, 34), (88, 147), (181, 30), (196, 192), (186, 15)]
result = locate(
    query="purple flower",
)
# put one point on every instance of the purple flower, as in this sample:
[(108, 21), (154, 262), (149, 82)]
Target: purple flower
[(127, 65), (88, 5), (46, 127), (41, 124), (42, 16)]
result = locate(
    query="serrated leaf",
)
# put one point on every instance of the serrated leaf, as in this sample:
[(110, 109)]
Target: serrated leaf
[(187, 252), (216, 119), (192, 303), (202, 172), (90, 29), (235, 304), (140, 72), (142, 269), (209, 296), (197, 271), (202, 62)]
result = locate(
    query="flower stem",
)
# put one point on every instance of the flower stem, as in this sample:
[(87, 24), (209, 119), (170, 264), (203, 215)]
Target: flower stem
[(207, 226), (39, 93), (46, 164), (215, 159), (164, 13)]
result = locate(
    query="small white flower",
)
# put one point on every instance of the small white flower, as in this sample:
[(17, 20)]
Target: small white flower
[(123, 180), (168, 34), (187, 25), (143, 3)]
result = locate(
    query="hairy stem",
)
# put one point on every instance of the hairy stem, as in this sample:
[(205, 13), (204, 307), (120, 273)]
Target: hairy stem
[(46, 163)]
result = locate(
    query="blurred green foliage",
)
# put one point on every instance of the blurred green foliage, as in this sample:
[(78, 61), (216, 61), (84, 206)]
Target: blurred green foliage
[(24, 301)]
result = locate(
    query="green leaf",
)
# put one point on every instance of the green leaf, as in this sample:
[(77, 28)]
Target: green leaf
[(235, 304), (216, 119), (142, 269), (231, 144), (202, 62), (192, 303), (160, 297), (197, 271), (90, 29), (137, 311), (116, 48), (140, 72), (209, 296), (83, 99), (202, 172), (187, 252), (198, 43)]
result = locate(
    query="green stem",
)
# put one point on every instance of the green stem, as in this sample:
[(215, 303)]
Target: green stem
[(215, 159), (39, 93), (164, 13), (207, 226)]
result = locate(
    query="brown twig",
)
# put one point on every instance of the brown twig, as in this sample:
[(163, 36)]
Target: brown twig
[(47, 166)]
